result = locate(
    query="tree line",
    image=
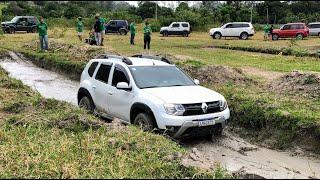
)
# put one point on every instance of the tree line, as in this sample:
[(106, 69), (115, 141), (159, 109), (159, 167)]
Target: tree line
[(201, 16)]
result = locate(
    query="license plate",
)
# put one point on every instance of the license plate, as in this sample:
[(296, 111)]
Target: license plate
[(208, 122)]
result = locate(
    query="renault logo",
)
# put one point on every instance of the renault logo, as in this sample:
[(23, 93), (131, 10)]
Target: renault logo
[(204, 107)]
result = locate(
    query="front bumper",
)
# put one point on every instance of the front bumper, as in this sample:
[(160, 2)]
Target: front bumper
[(178, 125)]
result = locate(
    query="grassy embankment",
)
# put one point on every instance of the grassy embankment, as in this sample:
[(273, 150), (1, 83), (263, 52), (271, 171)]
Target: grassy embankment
[(261, 111), (45, 138)]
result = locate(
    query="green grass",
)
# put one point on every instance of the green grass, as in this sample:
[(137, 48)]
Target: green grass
[(45, 138)]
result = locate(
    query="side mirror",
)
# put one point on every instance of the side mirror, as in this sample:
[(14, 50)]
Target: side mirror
[(123, 86), (196, 81)]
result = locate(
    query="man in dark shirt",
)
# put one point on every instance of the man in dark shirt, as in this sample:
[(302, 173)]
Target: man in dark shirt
[(97, 30)]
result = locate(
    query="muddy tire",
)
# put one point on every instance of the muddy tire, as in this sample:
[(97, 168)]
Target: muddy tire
[(144, 121), (87, 104), (216, 132), (217, 35), (299, 37), (122, 32)]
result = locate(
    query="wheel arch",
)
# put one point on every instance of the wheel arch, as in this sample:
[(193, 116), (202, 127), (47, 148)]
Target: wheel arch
[(83, 92), (137, 108)]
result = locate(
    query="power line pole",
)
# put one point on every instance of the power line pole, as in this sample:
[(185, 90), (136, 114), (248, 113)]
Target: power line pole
[(251, 13), (267, 15), (156, 10)]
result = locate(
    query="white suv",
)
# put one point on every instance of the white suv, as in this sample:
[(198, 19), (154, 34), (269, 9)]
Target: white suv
[(176, 28), (235, 29), (153, 94)]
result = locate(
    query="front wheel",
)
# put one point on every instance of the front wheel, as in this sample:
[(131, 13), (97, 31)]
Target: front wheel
[(299, 37), (87, 104), (12, 30), (165, 34), (185, 34), (217, 36), (216, 132), (275, 37), (144, 122)]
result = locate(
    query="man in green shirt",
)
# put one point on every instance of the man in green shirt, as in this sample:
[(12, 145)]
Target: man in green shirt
[(266, 32), (43, 35), (147, 35), (132, 32), (80, 28), (103, 29)]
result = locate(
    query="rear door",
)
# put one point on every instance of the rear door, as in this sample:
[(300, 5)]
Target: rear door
[(236, 29), (112, 26), (101, 86), (119, 101)]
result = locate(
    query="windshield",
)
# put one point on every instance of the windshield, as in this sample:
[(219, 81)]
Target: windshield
[(15, 19), (159, 76)]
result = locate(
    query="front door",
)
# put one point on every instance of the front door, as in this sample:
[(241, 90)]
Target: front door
[(101, 87), (119, 100), (22, 24), (227, 31)]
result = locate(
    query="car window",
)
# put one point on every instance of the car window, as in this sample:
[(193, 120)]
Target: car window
[(286, 27), (237, 26), (32, 20), (175, 25), (103, 73), (300, 26), (185, 25), (245, 25), (229, 26), (113, 23), (313, 26), (119, 75), (22, 20), (92, 68)]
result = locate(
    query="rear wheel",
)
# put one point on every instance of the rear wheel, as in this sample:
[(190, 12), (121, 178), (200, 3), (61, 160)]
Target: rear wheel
[(217, 36), (299, 37), (244, 36), (33, 30), (185, 34), (122, 32), (87, 104), (144, 121), (275, 37), (319, 34)]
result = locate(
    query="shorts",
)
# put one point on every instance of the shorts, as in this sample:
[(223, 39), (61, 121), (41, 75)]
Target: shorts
[(103, 33), (80, 33)]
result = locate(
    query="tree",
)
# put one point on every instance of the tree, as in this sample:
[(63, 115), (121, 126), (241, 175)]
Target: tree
[(73, 10), (183, 7)]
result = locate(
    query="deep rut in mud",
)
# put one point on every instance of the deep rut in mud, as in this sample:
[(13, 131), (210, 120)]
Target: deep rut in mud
[(230, 151)]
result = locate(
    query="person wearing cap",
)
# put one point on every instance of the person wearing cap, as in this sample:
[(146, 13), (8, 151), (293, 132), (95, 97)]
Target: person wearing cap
[(97, 30), (80, 28), (42, 28), (147, 35)]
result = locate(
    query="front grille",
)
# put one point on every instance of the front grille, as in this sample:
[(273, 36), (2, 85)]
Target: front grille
[(195, 109)]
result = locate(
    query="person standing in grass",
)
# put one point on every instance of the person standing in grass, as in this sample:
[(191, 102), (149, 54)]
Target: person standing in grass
[(147, 35), (132, 32), (266, 32), (80, 28), (271, 32), (97, 30), (43, 35), (102, 29)]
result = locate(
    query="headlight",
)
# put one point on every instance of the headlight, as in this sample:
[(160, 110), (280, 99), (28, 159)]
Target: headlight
[(223, 105), (174, 109)]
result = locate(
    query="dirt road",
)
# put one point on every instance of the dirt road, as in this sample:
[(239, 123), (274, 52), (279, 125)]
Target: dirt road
[(230, 151)]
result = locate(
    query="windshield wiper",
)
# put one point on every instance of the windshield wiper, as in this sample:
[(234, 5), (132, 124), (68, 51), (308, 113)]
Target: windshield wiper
[(178, 85), (149, 87)]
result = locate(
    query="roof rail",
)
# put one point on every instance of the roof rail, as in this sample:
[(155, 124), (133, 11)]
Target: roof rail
[(163, 59), (122, 58)]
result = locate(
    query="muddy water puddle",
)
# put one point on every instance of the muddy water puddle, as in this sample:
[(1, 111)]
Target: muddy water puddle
[(231, 152), (49, 84)]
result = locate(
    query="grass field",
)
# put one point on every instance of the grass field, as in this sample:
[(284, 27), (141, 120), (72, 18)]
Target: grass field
[(260, 110)]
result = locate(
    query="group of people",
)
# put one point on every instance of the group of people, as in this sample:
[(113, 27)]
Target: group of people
[(267, 32), (97, 34)]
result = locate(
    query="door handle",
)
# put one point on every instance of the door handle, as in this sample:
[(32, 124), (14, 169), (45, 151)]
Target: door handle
[(94, 87), (110, 93)]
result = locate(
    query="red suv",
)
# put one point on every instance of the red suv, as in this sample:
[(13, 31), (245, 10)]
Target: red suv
[(297, 30)]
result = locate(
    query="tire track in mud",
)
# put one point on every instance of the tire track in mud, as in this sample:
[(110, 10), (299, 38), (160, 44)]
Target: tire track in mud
[(238, 156)]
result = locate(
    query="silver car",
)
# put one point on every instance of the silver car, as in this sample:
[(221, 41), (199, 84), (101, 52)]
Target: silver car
[(314, 29)]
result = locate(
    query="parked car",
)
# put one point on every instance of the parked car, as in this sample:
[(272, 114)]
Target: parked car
[(234, 29), (151, 93), (291, 30), (20, 23), (176, 28), (314, 29), (117, 26)]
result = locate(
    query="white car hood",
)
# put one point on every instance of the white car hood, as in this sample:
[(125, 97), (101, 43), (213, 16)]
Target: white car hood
[(164, 28), (212, 30), (184, 94)]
